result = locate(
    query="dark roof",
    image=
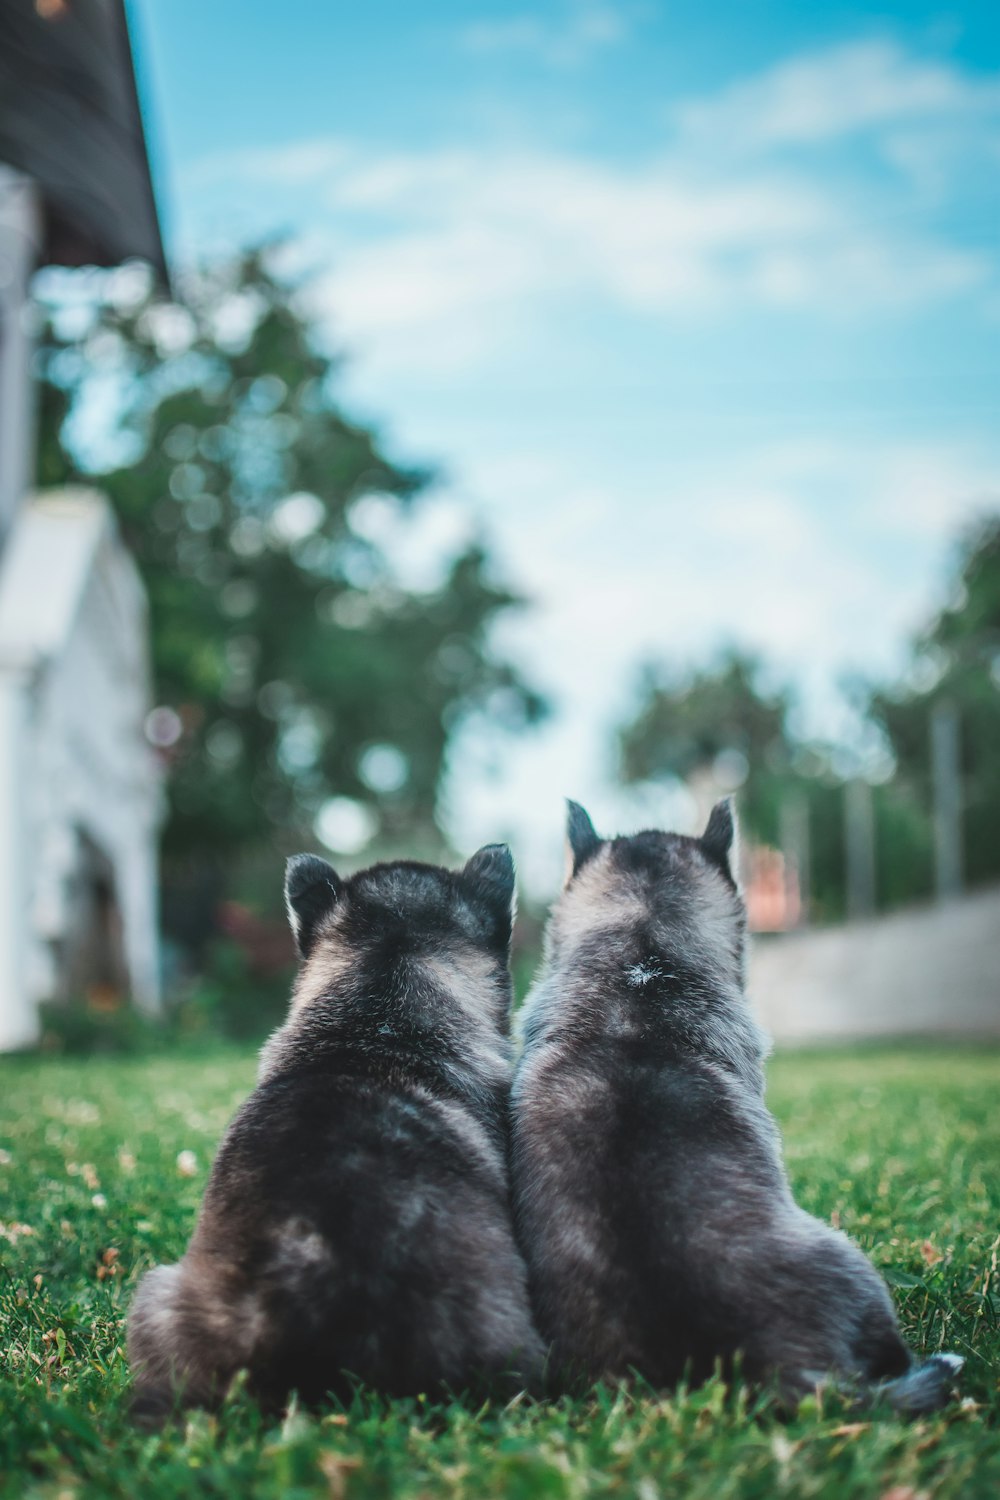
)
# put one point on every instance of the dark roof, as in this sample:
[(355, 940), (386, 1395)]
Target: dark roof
[(69, 118)]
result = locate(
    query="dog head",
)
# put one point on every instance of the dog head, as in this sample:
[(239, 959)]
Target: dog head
[(406, 903), (680, 890), (648, 939), (403, 946)]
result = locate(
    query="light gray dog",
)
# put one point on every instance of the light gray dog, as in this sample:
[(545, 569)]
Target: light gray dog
[(357, 1221), (650, 1196)]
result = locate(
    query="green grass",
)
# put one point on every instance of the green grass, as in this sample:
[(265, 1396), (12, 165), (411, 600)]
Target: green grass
[(901, 1147)]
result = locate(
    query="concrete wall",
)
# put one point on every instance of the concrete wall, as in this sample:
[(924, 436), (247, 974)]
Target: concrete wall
[(927, 971)]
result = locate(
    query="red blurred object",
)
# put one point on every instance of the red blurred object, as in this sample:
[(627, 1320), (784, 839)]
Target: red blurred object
[(772, 891)]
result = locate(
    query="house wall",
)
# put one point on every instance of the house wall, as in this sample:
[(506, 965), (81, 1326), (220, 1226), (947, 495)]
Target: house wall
[(74, 693), (20, 241), (95, 774), (18, 1014)]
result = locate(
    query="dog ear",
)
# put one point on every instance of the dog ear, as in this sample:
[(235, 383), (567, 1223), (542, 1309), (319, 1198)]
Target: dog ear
[(312, 887), (581, 839), (720, 833), (490, 876)]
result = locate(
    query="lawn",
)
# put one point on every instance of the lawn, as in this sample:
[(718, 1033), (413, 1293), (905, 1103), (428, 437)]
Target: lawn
[(102, 1167)]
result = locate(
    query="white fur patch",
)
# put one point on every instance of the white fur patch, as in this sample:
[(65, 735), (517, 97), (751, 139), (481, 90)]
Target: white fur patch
[(300, 1246), (642, 974), (155, 1301)]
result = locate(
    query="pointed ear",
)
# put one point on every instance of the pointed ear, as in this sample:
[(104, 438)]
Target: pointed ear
[(720, 833), (311, 890), (581, 838), (490, 875)]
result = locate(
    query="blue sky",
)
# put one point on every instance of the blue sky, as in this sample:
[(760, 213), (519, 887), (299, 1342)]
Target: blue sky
[(697, 306)]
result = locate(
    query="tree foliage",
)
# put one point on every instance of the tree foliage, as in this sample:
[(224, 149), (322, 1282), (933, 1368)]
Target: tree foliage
[(717, 723), (685, 726), (957, 661), (719, 726), (265, 524)]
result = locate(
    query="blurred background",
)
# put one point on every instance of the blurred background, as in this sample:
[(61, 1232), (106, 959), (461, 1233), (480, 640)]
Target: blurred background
[(413, 415)]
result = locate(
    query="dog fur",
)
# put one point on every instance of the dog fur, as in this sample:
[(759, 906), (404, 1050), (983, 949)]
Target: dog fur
[(357, 1224), (650, 1195)]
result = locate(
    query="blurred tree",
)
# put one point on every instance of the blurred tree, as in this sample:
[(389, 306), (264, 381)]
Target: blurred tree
[(717, 724), (719, 727), (290, 663), (957, 661)]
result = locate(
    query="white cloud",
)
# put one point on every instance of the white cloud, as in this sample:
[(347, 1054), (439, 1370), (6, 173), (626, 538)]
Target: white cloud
[(815, 98), (931, 490), (441, 259), (294, 163), (583, 28), (450, 254)]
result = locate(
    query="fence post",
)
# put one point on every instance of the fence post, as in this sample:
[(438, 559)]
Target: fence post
[(946, 773), (795, 848), (859, 838)]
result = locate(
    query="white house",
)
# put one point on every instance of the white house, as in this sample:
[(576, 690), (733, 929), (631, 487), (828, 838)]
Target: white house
[(80, 795), (80, 801)]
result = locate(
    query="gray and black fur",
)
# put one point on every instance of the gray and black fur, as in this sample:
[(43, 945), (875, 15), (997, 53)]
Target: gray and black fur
[(357, 1222), (650, 1195)]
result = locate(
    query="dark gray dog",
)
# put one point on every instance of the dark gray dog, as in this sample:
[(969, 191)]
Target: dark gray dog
[(653, 1207), (357, 1220)]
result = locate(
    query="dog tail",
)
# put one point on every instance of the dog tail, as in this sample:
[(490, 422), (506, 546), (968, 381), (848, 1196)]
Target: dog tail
[(923, 1389)]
